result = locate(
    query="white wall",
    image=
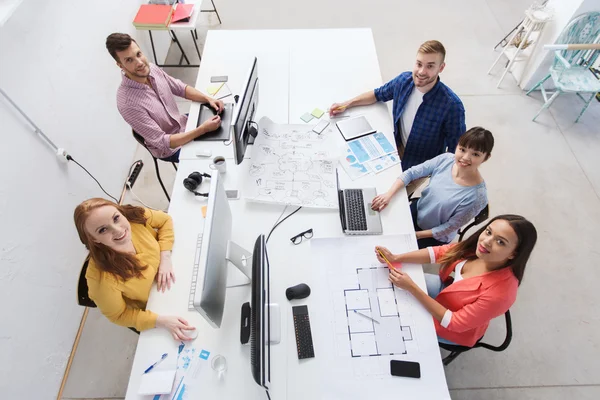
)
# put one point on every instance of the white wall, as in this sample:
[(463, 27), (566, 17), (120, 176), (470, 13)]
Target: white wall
[(541, 60), (54, 65)]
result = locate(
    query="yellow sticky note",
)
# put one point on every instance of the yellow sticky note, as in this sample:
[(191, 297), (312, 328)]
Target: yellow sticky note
[(214, 89), (203, 211), (317, 113)]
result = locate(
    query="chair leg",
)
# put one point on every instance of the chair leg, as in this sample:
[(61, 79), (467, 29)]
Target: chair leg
[(451, 357), (174, 166), (538, 84), (587, 104), (548, 103), (160, 180)]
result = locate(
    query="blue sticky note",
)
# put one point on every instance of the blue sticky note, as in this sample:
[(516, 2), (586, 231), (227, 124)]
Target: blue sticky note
[(204, 354), (307, 117)]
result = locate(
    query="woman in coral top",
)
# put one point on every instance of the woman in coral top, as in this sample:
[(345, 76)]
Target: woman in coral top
[(130, 248), (488, 268)]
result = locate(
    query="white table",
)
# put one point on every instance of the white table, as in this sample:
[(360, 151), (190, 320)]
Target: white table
[(344, 71)]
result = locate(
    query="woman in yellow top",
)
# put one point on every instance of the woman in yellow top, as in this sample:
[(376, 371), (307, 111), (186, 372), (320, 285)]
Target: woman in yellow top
[(129, 248)]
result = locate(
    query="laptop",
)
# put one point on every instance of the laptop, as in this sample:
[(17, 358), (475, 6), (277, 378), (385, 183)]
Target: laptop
[(355, 211)]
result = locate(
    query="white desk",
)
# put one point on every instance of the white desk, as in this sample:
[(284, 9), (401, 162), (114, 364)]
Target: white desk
[(307, 87)]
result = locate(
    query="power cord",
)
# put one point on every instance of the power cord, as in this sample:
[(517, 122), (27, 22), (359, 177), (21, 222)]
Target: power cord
[(69, 158), (140, 200), (280, 222)]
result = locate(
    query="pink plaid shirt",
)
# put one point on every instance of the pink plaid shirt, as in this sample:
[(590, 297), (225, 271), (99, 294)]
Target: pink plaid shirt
[(152, 111)]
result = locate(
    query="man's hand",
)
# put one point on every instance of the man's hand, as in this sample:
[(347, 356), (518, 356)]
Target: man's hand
[(336, 109), (216, 105), (211, 125)]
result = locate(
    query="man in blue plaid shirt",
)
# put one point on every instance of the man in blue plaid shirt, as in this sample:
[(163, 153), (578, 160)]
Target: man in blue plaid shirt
[(428, 116)]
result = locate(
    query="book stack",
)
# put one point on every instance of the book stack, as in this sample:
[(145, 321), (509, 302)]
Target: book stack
[(153, 16)]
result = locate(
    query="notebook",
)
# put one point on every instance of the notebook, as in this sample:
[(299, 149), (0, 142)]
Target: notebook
[(182, 13), (155, 16), (354, 127)]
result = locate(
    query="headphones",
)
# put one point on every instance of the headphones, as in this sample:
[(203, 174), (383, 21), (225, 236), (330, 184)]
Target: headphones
[(193, 181)]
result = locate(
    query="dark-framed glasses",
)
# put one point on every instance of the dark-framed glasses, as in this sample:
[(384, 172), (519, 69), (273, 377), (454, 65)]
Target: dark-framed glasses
[(306, 235)]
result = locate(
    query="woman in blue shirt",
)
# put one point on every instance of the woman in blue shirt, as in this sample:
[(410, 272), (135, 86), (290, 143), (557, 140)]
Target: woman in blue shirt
[(456, 192)]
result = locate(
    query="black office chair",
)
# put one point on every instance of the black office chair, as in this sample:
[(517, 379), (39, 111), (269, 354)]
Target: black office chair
[(456, 350), (141, 141), (83, 298), (482, 216)]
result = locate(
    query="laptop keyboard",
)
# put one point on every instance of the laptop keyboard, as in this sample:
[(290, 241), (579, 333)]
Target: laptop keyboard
[(355, 209)]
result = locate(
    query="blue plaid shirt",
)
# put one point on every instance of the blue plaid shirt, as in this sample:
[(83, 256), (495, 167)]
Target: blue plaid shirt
[(439, 122)]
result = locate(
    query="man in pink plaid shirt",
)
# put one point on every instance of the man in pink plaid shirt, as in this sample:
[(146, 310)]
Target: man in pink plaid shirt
[(146, 100)]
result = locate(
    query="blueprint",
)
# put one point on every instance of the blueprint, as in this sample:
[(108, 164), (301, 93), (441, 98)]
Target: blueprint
[(291, 165)]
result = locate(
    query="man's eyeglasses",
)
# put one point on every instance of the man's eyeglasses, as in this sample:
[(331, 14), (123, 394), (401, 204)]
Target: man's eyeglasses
[(298, 238)]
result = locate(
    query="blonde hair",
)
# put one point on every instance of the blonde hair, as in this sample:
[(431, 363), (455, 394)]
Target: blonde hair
[(433, 47)]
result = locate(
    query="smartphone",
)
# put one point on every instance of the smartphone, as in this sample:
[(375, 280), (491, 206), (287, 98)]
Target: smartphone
[(320, 127), (232, 194), (408, 369)]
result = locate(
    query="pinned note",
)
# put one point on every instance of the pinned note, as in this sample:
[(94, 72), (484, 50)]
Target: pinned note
[(203, 211), (213, 89), (317, 113)]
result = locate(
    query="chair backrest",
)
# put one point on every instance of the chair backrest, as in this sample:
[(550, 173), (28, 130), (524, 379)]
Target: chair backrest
[(582, 29), (83, 298), (479, 218), (139, 138), (507, 339)]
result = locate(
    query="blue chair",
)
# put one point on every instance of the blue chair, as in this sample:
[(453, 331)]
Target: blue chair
[(570, 70)]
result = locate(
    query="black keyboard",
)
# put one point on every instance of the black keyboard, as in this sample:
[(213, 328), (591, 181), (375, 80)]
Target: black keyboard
[(355, 208), (304, 343)]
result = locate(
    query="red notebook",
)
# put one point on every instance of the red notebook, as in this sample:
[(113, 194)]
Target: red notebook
[(153, 16), (182, 13)]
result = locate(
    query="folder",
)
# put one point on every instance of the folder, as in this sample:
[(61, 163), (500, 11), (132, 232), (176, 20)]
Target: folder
[(182, 13), (153, 16)]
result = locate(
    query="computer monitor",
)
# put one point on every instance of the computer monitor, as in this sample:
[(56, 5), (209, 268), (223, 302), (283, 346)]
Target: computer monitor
[(211, 274), (260, 315), (242, 124)]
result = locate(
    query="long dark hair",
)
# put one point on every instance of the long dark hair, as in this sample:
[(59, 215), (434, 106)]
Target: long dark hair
[(526, 235), (121, 265)]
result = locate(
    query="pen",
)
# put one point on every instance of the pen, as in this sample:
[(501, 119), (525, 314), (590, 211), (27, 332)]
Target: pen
[(339, 108), (386, 260), (366, 316), (156, 363)]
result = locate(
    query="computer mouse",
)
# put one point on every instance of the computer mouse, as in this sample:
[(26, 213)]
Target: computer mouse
[(192, 334), (297, 292)]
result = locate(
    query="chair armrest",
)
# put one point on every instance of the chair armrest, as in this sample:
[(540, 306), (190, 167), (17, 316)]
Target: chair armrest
[(564, 62)]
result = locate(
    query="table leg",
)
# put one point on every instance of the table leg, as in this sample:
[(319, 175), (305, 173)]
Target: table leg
[(180, 48), (196, 45), (216, 12), (153, 50)]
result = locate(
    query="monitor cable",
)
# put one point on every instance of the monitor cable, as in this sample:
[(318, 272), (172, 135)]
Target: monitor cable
[(279, 222), (88, 172)]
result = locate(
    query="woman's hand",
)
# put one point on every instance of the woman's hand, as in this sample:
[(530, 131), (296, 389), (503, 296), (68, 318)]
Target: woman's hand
[(401, 279), (381, 201), (165, 276), (388, 254), (176, 325)]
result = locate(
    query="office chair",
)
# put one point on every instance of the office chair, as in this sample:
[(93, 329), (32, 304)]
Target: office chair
[(83, 298), (479, 218), (141, 141), (456, 350)]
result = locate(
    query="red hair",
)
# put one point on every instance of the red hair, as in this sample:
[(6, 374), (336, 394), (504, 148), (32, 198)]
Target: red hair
[(122, 265)]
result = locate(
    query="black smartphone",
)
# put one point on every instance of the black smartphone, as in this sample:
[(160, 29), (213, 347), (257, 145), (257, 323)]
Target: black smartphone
[(408, 369)]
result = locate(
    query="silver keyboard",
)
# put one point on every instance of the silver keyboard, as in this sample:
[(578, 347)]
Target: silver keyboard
[(195, 271)]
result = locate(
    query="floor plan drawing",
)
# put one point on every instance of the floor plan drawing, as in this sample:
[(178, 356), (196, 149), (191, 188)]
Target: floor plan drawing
[(375, 326)]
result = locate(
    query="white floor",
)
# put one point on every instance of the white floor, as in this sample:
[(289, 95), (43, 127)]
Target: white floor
[(547, 171)]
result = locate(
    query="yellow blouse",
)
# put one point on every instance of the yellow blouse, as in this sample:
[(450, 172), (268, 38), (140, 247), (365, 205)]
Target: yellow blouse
[(124, 303)]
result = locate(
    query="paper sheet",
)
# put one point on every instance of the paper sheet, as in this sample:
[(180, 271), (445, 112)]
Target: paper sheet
[(382, 163), (291, 165), (371, 147), (157, 382), (353, 168)]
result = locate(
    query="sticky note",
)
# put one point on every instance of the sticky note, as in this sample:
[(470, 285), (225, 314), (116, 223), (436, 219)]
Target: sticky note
[(213, 89), (157, 382), (317, 113), (203, 211), (306, 117)]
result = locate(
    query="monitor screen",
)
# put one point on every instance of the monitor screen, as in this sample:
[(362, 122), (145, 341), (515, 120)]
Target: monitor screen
[(244, 113)]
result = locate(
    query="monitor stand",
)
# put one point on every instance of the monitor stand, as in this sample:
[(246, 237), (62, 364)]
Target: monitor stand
[(252, 132), (242, 260), (275, 330)]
